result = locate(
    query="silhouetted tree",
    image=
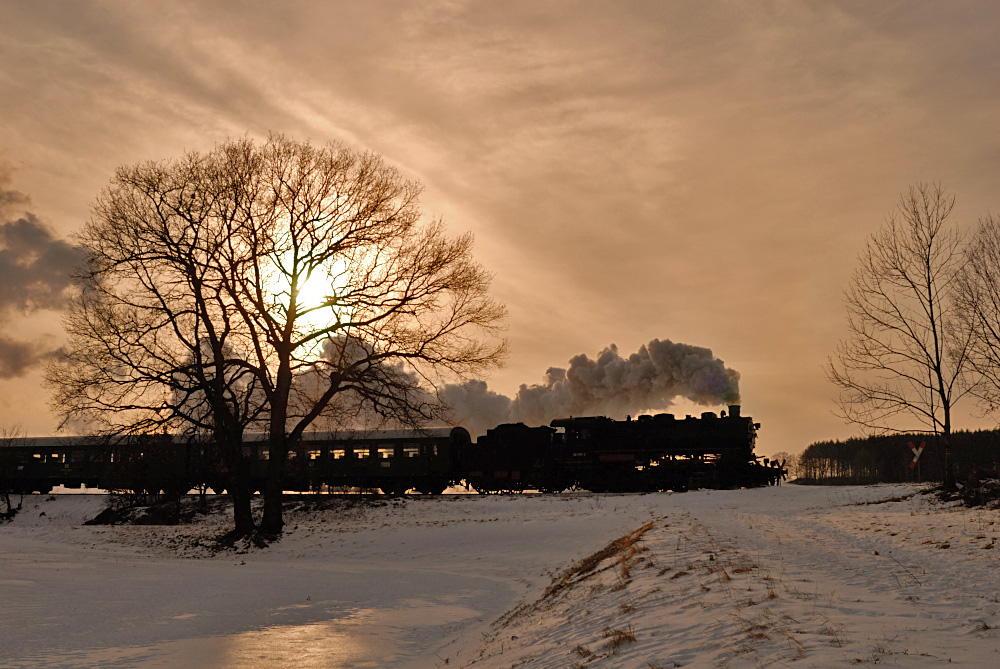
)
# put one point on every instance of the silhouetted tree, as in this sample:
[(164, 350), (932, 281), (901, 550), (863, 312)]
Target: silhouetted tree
[(887, 458), (8, 468), (903, 354), (155, 340), (399, 302), (979, 308)]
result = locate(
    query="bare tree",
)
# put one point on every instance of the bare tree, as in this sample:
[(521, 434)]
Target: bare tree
[(979, 309), (400, 301), (312, 276), (153, 336), (904, 355)]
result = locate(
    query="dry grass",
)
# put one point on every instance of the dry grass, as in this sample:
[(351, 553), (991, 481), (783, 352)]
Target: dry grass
[(623, 548), (625, 569), (616, 637), (766, 625)]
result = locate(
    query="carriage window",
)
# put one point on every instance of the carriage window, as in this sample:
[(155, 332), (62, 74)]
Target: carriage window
[(37, 456), (411, 451), (385, 453), (314, 454), (265, 455), (292, 455), (338, 453), (363, 454)]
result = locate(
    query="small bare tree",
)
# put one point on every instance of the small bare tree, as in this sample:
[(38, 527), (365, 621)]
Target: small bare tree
[(9, 462), (255, 284), (904, 355)]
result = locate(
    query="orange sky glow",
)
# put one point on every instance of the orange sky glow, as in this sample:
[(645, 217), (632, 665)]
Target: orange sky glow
[(700, 172)]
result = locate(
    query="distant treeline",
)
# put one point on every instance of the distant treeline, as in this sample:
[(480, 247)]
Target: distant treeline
[(887, 458)]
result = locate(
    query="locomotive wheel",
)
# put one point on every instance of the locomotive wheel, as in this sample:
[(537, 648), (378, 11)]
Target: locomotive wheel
[(556, 485), (484, 488), (394, 489), (432, 488)]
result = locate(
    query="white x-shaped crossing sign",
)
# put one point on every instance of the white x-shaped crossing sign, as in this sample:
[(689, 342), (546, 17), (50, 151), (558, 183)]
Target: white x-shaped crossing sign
[(916, 453)]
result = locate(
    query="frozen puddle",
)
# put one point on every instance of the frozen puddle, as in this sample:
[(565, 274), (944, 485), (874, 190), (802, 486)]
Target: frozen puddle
[(365, 638)]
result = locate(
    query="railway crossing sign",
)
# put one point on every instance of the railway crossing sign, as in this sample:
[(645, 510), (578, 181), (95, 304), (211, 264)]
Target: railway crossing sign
[(916, 453)]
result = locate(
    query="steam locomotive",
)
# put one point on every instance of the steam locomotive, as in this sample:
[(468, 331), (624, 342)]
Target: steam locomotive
[(651, 453)]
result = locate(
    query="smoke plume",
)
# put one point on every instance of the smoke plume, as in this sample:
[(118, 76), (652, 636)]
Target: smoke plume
[(474, 406), (649, 379), (34, 275)]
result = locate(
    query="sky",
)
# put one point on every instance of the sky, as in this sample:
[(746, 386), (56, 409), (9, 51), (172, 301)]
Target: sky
[(699, 172)]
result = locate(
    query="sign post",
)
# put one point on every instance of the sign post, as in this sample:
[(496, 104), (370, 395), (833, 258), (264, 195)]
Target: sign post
[(916, 456)]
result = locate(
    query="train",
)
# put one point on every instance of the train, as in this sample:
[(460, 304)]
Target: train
[(596, 453)]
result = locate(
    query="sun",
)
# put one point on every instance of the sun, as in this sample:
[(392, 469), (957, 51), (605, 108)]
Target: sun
[(315, 291), (320, 298), (319, 302)]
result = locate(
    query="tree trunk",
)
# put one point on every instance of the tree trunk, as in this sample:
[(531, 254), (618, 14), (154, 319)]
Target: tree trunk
[(9, 513), (240, 488), (241, 494), (272, 522)]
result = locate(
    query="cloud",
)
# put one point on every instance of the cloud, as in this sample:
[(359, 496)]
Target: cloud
[(34, 266), (19, 357), (35, 271), (705, 169), (9, 199)]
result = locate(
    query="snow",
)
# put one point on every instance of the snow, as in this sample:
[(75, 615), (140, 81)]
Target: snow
[(810, 576)]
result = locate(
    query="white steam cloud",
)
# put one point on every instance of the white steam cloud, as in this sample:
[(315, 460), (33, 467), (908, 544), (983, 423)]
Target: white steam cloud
[(649, 379)]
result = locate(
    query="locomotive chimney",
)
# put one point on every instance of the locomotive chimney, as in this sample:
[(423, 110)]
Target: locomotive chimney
[(734, 410)]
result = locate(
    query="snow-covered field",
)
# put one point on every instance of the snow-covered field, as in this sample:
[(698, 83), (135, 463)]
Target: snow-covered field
[(813, 577)]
